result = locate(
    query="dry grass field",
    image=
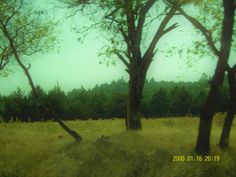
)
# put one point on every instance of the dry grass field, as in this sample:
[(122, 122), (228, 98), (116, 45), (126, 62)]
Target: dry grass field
[(43, 149)]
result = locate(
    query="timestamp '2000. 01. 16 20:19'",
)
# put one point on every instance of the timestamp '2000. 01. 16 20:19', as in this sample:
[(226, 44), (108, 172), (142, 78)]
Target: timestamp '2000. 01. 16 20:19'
[(195, 158)]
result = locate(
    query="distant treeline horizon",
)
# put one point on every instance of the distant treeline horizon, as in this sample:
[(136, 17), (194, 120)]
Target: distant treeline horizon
[(26, 89), (160, 99)]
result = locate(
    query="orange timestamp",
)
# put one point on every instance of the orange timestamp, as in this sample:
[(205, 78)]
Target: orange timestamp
[(196, 158)]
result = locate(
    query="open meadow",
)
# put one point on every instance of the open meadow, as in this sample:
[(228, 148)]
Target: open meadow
[(107, 150)]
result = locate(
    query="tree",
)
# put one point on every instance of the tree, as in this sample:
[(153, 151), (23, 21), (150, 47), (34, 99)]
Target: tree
[(181, 101), (24, 33), (36, 109), (198, 101), (126, 23), (97, 105), (16, 107), (224, 139), (56, 101), (78, 100), (117, 105), (223, 33), (160, 103)]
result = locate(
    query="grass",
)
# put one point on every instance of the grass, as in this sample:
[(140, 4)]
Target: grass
[(107, 150)]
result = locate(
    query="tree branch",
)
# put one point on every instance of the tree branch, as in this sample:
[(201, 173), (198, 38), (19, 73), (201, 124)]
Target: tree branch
[(122, 59), (5, 54), (130, 20), (160, 32), (159, 15), (126, 39), (170, 28), (14, 12), (142, 15), (205, 32)]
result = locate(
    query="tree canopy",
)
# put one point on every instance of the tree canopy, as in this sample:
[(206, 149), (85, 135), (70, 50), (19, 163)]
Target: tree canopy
[(24, 30)]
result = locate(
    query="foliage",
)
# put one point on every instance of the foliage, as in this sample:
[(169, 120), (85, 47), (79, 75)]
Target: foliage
[(24, 29), (160, 103), (206, 17)]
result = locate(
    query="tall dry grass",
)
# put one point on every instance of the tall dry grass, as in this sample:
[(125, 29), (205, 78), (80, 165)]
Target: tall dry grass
[(42, 149)]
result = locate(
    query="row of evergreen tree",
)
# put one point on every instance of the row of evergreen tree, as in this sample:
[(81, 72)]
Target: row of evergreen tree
[(160, 99)]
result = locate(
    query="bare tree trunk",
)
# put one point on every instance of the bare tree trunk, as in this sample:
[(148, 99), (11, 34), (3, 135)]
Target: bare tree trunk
[(225, 135), (203, 139), (136, 84)]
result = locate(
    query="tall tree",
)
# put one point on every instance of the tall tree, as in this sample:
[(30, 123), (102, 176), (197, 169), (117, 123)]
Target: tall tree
[(224, 139), (126, 23), (24, 33), (224, 39)]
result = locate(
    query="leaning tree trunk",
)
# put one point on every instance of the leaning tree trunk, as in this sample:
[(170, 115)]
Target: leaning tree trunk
[(73, 133), (224, 139), (203, 139), (136, 84)]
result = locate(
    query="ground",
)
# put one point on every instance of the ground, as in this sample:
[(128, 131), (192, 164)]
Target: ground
[(43, 149)]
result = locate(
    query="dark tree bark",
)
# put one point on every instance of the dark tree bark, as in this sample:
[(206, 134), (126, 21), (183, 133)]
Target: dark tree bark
[(206, 116), (71, 132), (203, 139), (136, 84), (225, 135)]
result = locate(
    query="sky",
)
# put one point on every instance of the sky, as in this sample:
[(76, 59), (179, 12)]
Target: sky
[(74, 64)]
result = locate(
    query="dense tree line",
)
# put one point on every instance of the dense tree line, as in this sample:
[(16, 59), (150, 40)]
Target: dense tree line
[(161, 99)]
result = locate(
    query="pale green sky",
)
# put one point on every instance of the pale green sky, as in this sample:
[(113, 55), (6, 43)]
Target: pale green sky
[(77, 64)]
